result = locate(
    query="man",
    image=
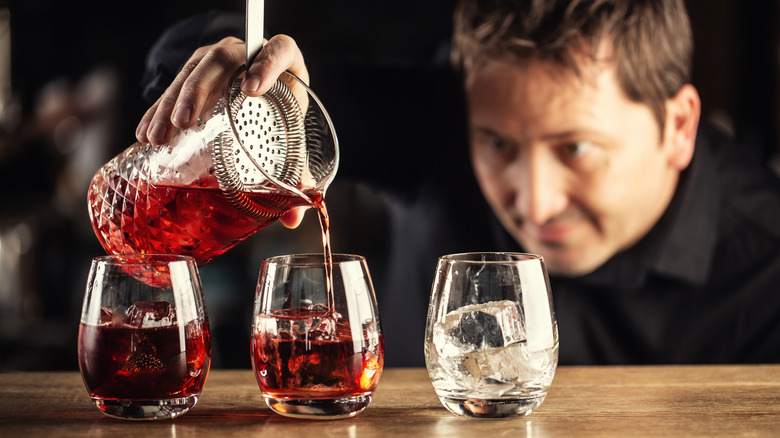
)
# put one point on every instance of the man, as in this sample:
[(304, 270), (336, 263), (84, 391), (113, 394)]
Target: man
[(583, 128), (661, 238)]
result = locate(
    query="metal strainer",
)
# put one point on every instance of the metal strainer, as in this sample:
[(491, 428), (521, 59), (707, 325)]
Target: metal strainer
[(271, 137), (274, 146)]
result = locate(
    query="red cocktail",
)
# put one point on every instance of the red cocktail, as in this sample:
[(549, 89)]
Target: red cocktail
[(144, 346), (119, 362), (317, 346), (315, 364)]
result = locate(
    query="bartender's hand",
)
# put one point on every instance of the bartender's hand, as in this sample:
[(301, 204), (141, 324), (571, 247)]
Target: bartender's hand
[(203, 79)]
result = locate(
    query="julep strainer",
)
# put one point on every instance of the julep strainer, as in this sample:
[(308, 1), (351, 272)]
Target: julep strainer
[(282, 139)]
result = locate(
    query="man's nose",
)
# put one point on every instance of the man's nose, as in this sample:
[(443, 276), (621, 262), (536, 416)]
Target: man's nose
[(540, 193)]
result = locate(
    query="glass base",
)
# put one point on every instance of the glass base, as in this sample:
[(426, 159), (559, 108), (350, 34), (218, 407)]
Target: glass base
[(491, 408), (145, 409), (319, 409)]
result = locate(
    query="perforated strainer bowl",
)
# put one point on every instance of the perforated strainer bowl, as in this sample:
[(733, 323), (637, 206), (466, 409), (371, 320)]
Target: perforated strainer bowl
[(281, 141)]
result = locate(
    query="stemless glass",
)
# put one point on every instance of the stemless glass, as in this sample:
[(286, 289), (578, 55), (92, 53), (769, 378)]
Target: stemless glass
[(312, 359), (144, 346), (491, 345)]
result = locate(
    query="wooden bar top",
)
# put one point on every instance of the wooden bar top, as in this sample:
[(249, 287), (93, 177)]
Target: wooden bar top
[(583, 402)]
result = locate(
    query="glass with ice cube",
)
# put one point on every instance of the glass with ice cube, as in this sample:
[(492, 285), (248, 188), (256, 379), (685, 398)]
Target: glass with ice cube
[(316, 356), (491, 345), (144, 346)]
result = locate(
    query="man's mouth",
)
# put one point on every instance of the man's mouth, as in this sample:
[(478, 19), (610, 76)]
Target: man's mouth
[(556, 231)]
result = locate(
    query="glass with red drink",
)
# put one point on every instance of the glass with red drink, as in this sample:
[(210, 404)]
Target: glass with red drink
[(313, 359), (144, 346)]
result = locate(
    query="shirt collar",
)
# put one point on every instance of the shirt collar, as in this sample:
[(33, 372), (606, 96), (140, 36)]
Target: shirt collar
[(687, 248)]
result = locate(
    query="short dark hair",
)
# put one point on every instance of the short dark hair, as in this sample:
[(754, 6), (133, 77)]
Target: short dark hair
[(651, 40)]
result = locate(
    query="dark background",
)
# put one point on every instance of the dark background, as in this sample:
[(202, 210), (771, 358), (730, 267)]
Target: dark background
[(381, 71)]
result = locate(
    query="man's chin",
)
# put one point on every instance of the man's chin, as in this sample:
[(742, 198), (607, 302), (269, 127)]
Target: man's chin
[(568, 269), (563, 262)]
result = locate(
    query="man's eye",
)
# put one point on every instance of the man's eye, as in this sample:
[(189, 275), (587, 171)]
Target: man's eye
[(492, 148), (577, 149), (496, 143)]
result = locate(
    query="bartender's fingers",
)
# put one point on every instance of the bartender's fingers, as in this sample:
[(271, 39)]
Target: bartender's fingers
[(279, 54), (206, 81), (292, 218), (205, 75)]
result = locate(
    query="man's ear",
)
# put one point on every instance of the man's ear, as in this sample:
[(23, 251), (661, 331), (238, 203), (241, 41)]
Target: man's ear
[(682, 121)]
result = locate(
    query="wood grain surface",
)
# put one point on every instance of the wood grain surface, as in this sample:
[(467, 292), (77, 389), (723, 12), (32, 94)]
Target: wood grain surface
[(583, 402)]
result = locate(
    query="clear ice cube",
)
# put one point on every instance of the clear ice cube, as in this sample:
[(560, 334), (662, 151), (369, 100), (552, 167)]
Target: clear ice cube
[(506, 365), (318, 325), (150, 314), (107, 317), (479, 326), (310, 323), (483, 347)]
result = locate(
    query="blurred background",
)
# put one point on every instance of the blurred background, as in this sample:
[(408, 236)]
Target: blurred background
[(71, 95)]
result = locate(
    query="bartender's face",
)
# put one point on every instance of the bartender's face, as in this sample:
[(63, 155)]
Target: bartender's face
[(573, 168)]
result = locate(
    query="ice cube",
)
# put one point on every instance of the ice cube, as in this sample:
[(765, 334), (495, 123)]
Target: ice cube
[(483, 347), (320, 324), (307, 323), (497, 371), (150, 314), (513, 363), (108, 317), (479, 326)]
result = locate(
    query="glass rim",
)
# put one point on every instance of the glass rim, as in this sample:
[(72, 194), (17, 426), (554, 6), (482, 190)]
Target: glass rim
[(479, 257), (312, 259), (142, 258)]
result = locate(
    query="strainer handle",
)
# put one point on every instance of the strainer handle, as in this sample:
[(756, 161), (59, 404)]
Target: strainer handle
[(254, 29)]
